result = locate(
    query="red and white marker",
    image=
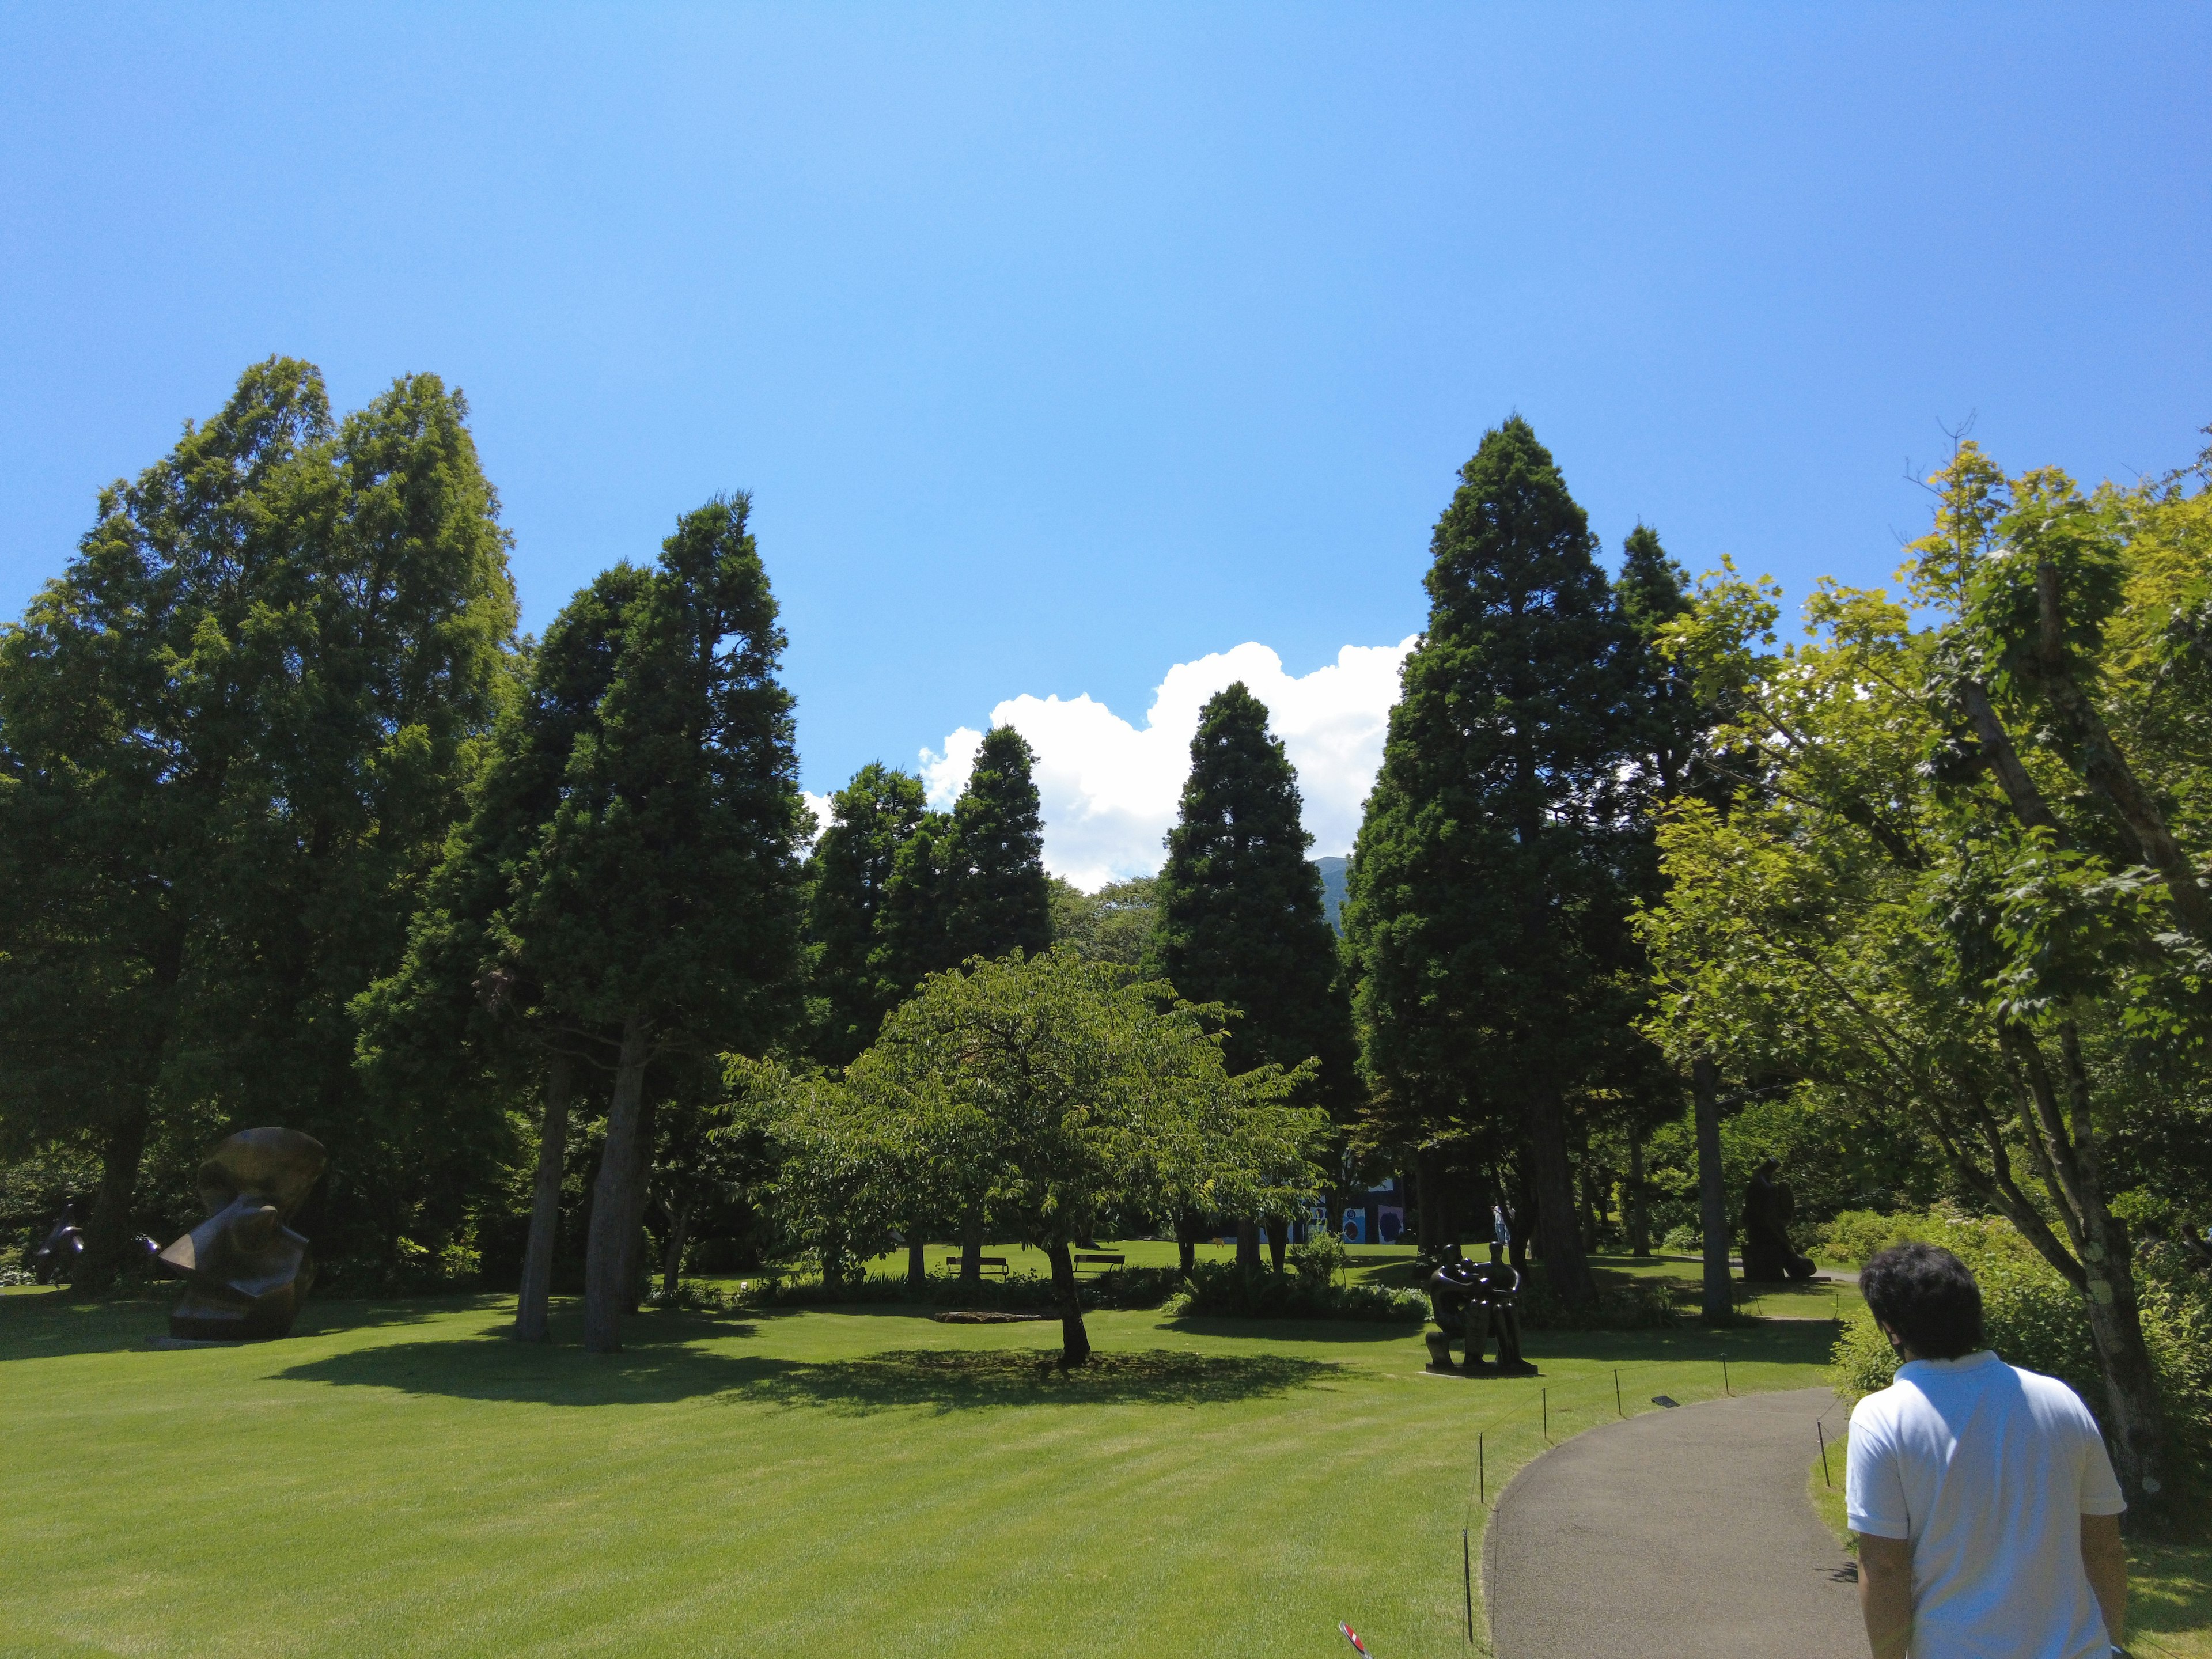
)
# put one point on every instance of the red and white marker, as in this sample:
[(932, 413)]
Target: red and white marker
[(1352, 1636)]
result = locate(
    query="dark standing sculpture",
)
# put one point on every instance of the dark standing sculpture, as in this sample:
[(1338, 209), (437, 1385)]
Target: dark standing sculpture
[(1768, 1205), (1472, 1302), (246, 1272), (56, 1259)]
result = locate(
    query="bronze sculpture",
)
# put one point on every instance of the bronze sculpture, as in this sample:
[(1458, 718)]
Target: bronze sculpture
[(1768, 1206), (245, 1271), (1473, 1303), (55, 1260)]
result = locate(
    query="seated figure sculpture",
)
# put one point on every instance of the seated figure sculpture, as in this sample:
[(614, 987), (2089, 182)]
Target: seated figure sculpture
[(1768, 1205), (1501, 1292), (1473, 1303), (1453, 1290), (245, 1271)]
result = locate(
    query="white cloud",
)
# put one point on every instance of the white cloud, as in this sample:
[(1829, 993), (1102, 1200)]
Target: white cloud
[(1108, 788), (823, 806)]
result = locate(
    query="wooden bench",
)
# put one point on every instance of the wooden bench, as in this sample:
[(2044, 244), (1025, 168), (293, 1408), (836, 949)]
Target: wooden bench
[(983, 1264), (1101, 1260)]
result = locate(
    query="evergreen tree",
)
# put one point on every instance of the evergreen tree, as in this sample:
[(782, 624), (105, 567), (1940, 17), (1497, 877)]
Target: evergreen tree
[(1653, 591), (1487, 897), (912, 932), (998, 901), (464, 1019), (1239, 918), (233, 736), (1671, 761), (662, 901), (849, 877)]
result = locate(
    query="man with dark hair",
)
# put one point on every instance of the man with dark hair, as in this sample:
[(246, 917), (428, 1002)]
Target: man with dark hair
[(1987, 1514)]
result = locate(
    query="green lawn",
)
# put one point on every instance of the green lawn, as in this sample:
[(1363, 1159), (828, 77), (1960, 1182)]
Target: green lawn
[(395, 1479)]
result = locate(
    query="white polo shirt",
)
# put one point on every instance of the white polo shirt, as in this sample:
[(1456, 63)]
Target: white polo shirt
[(1988, 1470)]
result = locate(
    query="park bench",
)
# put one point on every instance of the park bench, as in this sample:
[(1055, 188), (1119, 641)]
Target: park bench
[(1101, 1260), (983, 1264)]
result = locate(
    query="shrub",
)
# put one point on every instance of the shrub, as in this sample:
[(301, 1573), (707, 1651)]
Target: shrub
[(1647, 1304), (1856, 1235), (1221, 1289), (1683, 1239), (1122, 1287)]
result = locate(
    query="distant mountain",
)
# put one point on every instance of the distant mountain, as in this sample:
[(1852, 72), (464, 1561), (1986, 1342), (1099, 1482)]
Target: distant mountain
[(1331, 887)]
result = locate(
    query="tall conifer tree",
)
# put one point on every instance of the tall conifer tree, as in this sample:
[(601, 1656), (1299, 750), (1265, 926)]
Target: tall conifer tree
[(1239, 917), (849, 878), (465, 1020), (663, 900), (1485, 900), (999, 900)]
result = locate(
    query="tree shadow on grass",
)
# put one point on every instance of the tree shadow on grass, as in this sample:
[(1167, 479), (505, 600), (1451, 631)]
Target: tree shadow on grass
[(943, 1380)]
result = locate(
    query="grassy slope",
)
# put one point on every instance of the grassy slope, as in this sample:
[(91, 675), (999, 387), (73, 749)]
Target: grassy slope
[(2169, 1586), (396, 1479)]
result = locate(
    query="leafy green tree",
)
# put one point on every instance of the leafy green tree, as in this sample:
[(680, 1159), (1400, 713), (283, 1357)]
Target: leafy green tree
[(998, 900), (1961, 889), (233, 735), (662, 901), (464, 1018), (1114, 924), (848, 880), (1239, 919), (1487, 896), (1054, 1091)]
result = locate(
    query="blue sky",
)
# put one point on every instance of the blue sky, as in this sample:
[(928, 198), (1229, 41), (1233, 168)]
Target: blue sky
[(1061, 345)]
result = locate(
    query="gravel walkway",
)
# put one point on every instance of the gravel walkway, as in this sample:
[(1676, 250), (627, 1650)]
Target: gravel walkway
[(1678, 1534)]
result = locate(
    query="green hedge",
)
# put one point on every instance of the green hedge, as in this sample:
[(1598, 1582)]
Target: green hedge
[(1221, 1289), (1122, 1287)]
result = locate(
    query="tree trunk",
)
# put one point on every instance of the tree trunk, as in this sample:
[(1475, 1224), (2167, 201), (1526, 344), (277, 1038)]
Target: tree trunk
[(1433, 1204), (1186, 1242), (641, 1244), (1712, 1198), (1639, 1214), (109, 1228), (917, 1267), (2136, 1423), (1516, 1221), (1559, 1227), (971, 1247), (614, 1221), (1278, 1241), (1074, 1340), (1248, 1243), (531, 1301), (671, 1258)]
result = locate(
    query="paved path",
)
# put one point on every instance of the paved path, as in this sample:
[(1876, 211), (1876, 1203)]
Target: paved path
[(1678, 1534)]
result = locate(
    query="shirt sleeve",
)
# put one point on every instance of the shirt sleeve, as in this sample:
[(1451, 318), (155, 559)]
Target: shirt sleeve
[(1873, 1487), (2101, 1492)]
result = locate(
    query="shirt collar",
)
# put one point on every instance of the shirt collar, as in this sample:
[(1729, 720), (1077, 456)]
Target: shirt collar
[(1948, 1367)]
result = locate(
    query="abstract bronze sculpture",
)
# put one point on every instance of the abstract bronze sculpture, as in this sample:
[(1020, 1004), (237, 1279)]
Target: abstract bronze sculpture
[(246, 1272), (1768, 1206), (1473, 1303), (55, 1262)]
